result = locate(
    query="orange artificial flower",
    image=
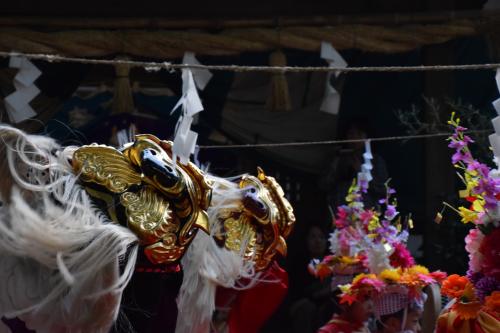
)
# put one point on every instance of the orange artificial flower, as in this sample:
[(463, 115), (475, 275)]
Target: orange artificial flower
[(348, 299), (323, 271), (492, 302), (454, 286), (409, 278), (467, 311), (469, 292)]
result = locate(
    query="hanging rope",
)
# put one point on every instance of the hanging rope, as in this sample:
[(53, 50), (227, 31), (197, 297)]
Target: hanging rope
[(156, 66), (337, 142)]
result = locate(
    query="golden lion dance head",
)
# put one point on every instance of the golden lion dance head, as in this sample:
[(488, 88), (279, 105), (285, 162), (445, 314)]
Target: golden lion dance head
[(165, 203)]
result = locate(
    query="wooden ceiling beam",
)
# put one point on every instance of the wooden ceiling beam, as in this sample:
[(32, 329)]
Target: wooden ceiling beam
[(231, 23)]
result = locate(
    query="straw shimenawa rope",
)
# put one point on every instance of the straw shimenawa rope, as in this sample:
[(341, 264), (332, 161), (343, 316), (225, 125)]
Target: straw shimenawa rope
[(171, 44)]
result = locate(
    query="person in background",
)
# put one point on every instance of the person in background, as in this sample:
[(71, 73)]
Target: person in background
[(345, 165), (311, 305), (351, 318), (406, 320)]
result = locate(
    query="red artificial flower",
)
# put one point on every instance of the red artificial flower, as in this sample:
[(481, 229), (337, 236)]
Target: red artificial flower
[(470, 199), (490, 249), (401, 257), (323, 271), (342, 218), (349, 299), (492, 303), (439, 276)]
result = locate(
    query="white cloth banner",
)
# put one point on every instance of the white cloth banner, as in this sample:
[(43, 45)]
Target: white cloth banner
[(185, 138), (17, 103), (331, 100)]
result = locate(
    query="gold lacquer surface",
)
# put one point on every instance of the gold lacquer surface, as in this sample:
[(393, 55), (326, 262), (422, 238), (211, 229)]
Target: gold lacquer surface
[(241, 234), (105, 166), (165, 219), (261, 222), (148, 214)]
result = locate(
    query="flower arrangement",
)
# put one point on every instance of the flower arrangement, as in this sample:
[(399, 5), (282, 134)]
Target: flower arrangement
[(479, 291), (407, 280), (370, 242), (482, 184), (357, 229)]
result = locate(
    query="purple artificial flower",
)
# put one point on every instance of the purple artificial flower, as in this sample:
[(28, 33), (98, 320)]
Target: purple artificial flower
[(457, 144), (459, 156), (490, 202), (487, 187), (362, 186), (474, 277), (481, 168), (485, 286), (392, 231), (390, 212)]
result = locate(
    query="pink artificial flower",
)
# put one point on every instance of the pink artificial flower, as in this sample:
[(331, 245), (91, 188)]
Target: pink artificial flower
[(375, 283), (328, 258), (427, 279), (344, 242), (472, 244), (439, 276), (341, 221), (473, 240), (366, 216)]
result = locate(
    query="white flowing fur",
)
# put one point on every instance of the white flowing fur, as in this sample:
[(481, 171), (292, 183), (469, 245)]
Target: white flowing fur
[(206, 265), (59, 256)]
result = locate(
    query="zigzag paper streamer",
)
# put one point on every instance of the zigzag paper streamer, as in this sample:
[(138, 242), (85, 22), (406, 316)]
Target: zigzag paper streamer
[(17, 103), (365, 176), (331, 100), (185, 138), (495, 137)]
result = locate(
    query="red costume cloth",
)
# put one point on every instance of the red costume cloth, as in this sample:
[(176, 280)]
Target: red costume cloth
[(339, 325), (251, 308), (485, 322)]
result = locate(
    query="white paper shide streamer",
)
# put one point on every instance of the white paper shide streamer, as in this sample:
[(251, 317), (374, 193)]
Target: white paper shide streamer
[(331, 100), (17, 103), (365, 175), (185, 138), (495, 137), (494, 214), (126, 135)]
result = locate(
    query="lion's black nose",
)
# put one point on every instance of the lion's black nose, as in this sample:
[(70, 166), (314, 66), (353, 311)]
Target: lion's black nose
[(153, 166), (252, 201)]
